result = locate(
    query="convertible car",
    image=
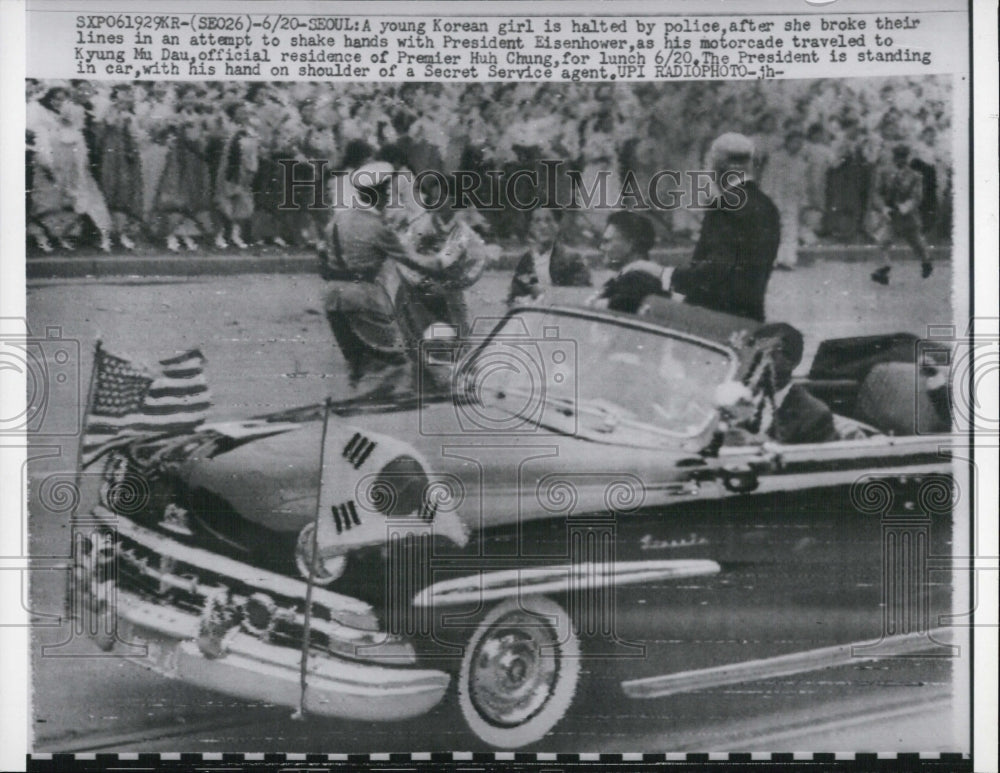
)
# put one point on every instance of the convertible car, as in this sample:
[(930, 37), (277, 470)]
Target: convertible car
[(557, 510)]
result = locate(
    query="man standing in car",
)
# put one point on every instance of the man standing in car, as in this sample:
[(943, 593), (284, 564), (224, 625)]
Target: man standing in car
[(735, 254)]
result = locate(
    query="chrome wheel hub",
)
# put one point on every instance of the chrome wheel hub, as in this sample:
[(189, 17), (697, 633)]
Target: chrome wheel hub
[(514, 669)]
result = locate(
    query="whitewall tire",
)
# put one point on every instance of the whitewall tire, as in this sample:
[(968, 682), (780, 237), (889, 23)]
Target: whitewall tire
[(519, 672)]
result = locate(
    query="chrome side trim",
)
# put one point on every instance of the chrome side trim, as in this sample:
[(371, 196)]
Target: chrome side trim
[(558, 578), (879, 447), (787, 665), (773, 482)]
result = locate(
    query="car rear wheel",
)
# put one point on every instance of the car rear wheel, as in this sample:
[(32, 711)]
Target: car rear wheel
[(519, 672)]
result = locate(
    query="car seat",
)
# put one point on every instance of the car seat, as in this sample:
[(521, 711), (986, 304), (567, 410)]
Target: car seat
[(896, 398)]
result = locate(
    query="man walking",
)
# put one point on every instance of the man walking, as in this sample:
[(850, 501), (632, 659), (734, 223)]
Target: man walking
[(898, 195)]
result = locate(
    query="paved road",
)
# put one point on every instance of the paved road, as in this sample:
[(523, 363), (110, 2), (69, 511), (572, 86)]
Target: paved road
[(904, 705), (268, 348), (268, 345)]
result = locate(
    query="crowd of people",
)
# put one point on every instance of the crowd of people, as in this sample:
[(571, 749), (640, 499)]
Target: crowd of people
[(195, 166)]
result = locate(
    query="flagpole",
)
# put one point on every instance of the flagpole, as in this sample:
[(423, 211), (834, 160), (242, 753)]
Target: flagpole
[(307, 618), (83, 430)]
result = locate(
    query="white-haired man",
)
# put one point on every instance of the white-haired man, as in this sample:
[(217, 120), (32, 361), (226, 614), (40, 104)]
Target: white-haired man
[(735, 254)]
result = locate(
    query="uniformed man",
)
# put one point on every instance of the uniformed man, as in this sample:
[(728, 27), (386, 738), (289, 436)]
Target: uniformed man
[(359, 259), (384, 293), (898, 195)]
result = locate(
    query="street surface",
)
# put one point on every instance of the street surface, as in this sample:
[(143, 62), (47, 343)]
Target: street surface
[(268, 348)]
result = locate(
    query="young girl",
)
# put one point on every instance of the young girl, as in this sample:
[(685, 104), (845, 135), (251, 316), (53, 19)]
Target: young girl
[(184, 196), (234, 179), (64, 189)]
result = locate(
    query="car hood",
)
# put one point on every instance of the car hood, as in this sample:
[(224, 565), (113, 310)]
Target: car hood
[(482, 478)]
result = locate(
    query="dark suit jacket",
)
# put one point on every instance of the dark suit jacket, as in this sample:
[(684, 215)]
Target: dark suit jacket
[(802, 418), (732, 261), (626, 292), (566, 269)]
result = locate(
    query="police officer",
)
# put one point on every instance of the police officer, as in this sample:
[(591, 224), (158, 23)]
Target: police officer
[(898, 196), (359, 259)]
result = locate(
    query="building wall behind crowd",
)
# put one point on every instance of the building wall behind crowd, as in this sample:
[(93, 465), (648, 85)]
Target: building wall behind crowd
[(200, 162)]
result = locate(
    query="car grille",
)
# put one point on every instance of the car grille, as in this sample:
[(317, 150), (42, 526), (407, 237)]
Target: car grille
[(159, 570)]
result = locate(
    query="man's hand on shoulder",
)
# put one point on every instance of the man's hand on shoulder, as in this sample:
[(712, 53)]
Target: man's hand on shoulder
[(645, 266), (664, 273)]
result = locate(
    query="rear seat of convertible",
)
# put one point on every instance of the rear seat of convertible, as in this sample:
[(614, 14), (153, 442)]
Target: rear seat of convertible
[(897, 398), (876, 380)]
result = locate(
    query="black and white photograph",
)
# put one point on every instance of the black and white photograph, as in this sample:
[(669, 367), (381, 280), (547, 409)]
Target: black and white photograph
[(500, 384)]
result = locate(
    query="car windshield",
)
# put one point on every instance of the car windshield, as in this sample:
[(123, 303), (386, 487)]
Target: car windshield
[(542, 364)]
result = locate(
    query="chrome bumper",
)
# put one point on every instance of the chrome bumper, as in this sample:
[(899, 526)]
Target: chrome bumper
[(377, 683), (164, 640)]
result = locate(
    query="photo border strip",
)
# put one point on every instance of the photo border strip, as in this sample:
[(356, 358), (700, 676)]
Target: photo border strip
[(516, 758)]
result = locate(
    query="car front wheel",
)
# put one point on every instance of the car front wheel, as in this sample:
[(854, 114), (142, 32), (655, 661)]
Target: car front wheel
[(519, 672)]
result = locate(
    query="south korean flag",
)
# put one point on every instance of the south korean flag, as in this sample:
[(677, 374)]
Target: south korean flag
[(371, 484)]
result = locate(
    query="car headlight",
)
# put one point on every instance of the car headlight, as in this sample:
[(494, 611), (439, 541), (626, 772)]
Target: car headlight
[(325, 570)]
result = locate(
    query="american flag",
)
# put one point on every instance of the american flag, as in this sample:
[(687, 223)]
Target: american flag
[(129, 400)]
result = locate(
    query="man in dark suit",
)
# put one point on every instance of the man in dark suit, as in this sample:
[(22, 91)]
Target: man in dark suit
[(769, 404), (801, 418), (735, 254)]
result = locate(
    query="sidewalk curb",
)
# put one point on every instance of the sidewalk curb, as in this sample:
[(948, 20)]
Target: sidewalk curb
[(82, 266)]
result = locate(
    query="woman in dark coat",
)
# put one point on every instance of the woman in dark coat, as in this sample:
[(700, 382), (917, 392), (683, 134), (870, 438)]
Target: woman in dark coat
[(234, 177), (121, 170), (184, 196)]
